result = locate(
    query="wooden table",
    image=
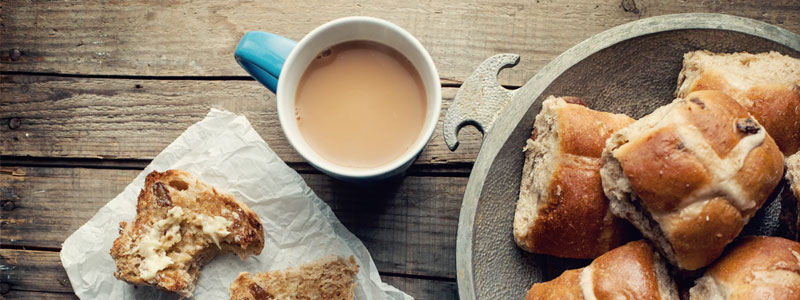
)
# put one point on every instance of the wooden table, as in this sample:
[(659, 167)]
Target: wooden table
[(91, 92)]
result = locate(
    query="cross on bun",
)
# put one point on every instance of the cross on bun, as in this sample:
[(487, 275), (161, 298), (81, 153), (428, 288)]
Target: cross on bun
[(766, 84), (561, 209), (757, 267), (631, 271), (690, 175)]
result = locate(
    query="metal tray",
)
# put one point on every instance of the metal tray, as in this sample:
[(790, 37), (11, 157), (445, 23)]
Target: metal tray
[(629, 69)]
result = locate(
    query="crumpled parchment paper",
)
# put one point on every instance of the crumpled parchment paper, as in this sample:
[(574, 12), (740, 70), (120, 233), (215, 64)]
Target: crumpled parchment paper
[(223, 150)]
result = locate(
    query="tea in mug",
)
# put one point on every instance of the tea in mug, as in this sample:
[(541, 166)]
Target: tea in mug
[(360, 104)]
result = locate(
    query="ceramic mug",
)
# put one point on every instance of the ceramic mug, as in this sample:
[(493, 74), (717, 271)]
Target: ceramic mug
[(278, 63)]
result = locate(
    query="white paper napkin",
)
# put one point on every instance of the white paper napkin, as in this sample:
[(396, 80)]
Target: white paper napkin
[(223, 150)]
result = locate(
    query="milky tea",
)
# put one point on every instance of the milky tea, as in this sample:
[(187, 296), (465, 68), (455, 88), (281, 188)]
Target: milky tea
[(360, 104)]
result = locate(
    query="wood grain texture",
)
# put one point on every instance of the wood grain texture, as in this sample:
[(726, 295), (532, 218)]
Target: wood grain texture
[(409, 224), (41, 207), (71, 117), (26, 295), (39, 275), (423, 288), (29, 270), (182, 37)]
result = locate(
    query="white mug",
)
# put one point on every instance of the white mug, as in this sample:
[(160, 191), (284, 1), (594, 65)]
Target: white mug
[(278, 63)]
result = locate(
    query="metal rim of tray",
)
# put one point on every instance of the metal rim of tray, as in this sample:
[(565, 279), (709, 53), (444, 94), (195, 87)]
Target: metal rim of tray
[(511, 115)]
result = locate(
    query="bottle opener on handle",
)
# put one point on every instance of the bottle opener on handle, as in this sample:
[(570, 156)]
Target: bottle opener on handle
[(479, 100)]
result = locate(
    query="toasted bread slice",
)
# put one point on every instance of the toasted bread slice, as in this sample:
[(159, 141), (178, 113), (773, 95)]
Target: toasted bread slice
[(331, 278), (181, 224)]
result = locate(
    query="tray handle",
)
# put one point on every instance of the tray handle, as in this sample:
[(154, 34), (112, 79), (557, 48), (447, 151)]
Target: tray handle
[(480, 99)]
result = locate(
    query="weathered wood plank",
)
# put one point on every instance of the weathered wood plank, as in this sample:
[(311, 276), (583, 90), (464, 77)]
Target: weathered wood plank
[(41, 207), (409, 224), (183, 37), (424, 289), (39, 275), (26, 295), (28, 270), (119, 118)]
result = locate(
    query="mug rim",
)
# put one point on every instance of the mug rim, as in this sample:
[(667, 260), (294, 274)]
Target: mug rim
[(396, 164)]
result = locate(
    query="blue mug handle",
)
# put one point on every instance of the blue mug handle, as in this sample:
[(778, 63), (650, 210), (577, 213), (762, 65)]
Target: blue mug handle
[(262, 54)]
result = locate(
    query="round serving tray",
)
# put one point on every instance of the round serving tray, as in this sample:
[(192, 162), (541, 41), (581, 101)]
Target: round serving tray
[(629, 69)]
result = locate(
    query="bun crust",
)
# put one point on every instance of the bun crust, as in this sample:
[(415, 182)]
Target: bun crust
[(766, 84), (631, 271), (562, 210), (793, 173), (565, 286), (754, 268), (690, 175), (793, 176)]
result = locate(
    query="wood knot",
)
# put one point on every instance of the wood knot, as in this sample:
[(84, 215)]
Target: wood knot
[(4, 288), (8, 205), (14, 123), (747, 126), (14, 54), (629, 6)]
